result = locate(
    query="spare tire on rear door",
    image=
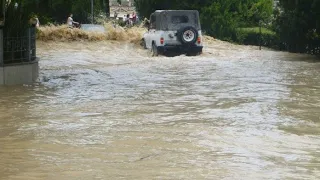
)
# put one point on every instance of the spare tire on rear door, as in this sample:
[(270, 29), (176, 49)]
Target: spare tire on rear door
[(187, 35)]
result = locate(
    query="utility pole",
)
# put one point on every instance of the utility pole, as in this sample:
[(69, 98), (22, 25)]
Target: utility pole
[(260, 39), (3, 11), (92, 11)]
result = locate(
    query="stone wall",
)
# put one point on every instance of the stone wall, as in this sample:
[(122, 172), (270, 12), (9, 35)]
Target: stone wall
[(19, 74)]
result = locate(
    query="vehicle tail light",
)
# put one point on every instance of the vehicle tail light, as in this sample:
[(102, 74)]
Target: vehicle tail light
[(161, 40), (199, 40)]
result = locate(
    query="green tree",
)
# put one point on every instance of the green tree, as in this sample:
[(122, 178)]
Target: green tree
[(219, 18), (16, 18), (58, 10), (298, 25)]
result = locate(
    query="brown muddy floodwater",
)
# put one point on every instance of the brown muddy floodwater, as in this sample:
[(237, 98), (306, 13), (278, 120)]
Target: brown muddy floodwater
[(107, 110)]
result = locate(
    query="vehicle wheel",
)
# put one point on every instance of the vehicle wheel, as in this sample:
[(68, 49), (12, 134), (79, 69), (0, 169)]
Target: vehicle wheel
[(143, 43), (193, 54), (154, 50), (188, 35)]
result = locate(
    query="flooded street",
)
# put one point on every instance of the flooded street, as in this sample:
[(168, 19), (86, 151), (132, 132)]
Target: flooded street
[(107, 110)]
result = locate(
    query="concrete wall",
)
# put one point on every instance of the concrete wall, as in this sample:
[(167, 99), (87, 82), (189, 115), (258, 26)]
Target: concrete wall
[(19, 74)]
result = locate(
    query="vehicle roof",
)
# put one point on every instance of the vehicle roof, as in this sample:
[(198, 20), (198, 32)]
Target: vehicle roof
[(163, 23), (160, 11)]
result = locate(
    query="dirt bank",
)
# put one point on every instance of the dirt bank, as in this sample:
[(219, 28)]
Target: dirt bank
[(121, 36), (65, 34)]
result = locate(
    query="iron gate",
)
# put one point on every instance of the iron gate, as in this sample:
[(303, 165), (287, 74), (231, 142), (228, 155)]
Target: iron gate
[(17, 50)]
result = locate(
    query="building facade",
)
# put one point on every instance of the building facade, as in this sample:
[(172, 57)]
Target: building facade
[(121, 10)]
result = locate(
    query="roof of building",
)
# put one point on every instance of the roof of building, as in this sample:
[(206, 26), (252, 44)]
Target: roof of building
[(123, 3)]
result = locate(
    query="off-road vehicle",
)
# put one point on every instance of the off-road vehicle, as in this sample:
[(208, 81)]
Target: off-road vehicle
[(173, 30)]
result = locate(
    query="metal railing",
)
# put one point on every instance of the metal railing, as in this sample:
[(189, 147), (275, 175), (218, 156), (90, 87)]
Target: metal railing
[(17, 50)]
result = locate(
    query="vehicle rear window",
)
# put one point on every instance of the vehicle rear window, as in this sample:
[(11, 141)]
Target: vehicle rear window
[(153, 22), (179, 19)]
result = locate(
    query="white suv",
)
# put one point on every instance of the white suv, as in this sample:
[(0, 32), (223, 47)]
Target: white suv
[(174, 30)]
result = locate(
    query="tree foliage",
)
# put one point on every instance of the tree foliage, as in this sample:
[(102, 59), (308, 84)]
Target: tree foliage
[(296, 22), (219, 18), (298, 25), (17, 18), (58, 10)]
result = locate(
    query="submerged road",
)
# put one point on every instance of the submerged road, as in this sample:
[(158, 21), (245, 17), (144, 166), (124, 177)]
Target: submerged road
[(108, 110)]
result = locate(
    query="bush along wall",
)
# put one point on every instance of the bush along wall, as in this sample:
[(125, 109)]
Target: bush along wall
[(252, 36)]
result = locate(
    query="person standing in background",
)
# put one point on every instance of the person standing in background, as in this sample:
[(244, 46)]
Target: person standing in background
[(134, 18), (37, 22), (124, 18), (34, 21), (128, 20)]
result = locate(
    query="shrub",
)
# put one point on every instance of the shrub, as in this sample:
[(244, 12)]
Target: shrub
[(17, 20), (252, 36)]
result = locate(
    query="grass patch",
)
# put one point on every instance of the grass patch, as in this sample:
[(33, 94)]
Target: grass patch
[(252, 36), (257, 30)]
